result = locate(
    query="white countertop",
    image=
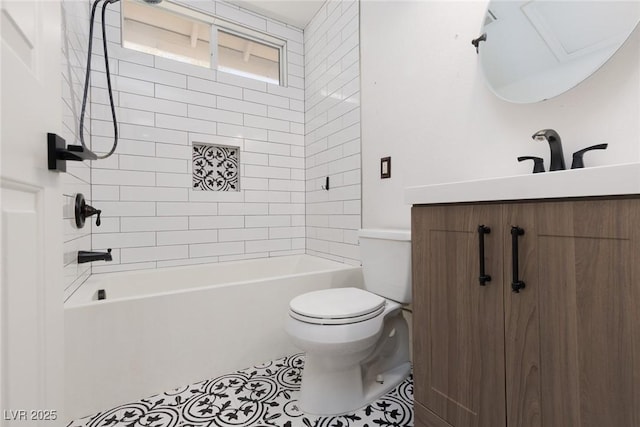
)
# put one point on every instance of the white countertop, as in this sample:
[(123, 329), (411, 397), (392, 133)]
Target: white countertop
[(613, 180)]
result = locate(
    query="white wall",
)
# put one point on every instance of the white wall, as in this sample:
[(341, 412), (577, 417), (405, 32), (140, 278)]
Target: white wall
[(75, 36), (151, 216), (425, 104), (332, 140)]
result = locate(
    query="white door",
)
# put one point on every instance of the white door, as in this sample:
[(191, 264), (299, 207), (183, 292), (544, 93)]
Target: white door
[(31, 306)]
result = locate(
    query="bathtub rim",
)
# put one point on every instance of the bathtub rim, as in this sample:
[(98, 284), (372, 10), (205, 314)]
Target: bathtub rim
[(94, 280)]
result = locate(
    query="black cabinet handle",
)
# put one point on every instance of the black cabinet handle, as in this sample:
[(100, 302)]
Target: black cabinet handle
[(516, 284), (483, 278)]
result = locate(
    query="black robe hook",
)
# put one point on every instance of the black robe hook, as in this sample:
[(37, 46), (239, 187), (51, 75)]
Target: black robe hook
[(476, 42)]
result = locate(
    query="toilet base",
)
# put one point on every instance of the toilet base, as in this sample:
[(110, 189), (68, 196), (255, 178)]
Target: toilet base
[(338, 393), (336, 385)]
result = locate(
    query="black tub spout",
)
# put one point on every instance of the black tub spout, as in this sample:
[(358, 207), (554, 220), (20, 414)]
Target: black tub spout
[(87, 256)]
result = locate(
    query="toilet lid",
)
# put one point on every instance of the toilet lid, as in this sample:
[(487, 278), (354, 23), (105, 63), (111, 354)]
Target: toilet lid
[(336, 306)]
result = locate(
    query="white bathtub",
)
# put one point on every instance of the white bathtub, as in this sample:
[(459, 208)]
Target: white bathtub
[(160, 329)]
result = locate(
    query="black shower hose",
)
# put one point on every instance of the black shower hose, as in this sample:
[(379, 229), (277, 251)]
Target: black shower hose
[(86, 80)]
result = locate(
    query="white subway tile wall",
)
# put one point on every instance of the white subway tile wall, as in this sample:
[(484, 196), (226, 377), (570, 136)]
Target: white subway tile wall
[(152, 215), (332, 132), (75, 37)]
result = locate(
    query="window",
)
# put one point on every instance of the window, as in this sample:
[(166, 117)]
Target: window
[(182, 34), (159, 32), (249, 58)]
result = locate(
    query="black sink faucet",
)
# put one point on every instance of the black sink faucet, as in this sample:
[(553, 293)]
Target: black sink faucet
[(86, 256), (557, 156)]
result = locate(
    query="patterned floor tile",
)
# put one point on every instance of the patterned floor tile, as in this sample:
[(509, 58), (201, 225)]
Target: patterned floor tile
[(262, 396)]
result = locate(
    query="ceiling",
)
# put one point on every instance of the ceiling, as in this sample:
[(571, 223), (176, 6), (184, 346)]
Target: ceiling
[(293, 12)]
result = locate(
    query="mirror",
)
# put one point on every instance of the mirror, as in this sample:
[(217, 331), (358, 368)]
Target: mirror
[(538, 49)]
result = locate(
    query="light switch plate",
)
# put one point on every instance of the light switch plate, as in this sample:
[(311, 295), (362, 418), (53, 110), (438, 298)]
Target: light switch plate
[(385, 167)]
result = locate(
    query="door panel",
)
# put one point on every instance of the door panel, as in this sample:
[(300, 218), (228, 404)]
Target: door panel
[(458, 336), (23, 287), (19, 23), (425, 418), (587, 279), (31, 310), (521, 317)]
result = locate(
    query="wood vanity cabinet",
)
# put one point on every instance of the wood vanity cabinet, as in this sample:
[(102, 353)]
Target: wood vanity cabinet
[(562, 352)]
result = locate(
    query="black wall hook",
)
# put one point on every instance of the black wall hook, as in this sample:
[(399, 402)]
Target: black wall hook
[(476, 42), (326, 185)]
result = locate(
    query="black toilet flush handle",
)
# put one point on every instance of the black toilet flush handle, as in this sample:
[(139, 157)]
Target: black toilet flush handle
[(83, 210), (578, 162)]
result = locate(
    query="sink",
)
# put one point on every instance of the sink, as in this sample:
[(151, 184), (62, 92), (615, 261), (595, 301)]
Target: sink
[(612, 180)]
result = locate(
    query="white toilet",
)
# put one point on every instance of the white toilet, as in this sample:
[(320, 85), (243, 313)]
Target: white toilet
[(356, 341)]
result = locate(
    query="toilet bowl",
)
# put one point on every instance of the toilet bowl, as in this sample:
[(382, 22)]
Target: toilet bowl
[(356, 341), (350, 360)]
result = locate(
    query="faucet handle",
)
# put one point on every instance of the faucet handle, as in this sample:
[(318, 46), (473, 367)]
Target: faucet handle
[(538, 163), (83, 211), (90, 211), (578, 162)]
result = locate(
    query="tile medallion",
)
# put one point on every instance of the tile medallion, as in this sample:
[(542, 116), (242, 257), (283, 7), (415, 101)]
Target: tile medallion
[(216, 167)]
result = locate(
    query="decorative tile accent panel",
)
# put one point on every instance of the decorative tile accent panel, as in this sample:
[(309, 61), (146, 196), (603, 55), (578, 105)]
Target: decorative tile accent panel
[(265, 395), (216, 168)]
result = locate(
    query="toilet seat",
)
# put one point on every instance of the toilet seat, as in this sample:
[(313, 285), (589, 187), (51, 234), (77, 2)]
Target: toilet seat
[(340, 306)]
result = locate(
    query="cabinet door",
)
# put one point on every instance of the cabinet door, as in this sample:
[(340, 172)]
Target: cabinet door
[(522, 316), (580, 366), (458, 328)]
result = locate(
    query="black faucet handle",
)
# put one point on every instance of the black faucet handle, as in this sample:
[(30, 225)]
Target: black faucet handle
[(83, 211), (578, 162), (98, 212), (538, 163), (90, 211)]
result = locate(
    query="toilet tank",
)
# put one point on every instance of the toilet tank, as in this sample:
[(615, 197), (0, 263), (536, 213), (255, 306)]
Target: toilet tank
[(386, 263)]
